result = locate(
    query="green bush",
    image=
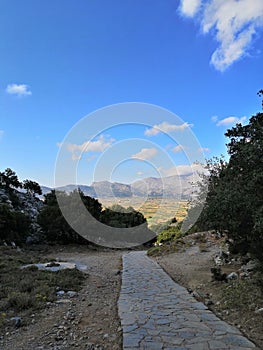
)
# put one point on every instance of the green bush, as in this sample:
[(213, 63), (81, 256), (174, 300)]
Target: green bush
[(19, 301), (117, 216), (234, 201), (170, 234), (14, 225), (29, 289), (55, 227)]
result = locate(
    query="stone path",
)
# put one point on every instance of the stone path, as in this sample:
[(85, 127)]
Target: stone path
[(156, 313)]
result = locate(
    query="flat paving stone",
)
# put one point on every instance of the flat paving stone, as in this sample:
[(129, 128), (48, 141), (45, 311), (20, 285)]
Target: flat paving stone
[(157, 313)]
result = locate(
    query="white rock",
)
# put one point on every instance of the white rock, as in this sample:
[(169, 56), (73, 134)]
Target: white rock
[(232, 276)]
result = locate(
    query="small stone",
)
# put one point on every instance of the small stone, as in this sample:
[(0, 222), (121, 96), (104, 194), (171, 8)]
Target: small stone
[(232, 276), (60, 293)]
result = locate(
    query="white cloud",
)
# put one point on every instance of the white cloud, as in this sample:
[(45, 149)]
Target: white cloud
[(1, 133), (178, 149), (145, 153), (76, 150), (203, 149), (214, 118), (231, 120), (234, 23), (139, 173), (189, 7), (91, 146), (180, 170), (166, 128), (18, 89)]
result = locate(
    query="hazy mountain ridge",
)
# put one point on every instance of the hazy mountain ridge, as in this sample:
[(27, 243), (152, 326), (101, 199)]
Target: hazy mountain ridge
[(167, 187)]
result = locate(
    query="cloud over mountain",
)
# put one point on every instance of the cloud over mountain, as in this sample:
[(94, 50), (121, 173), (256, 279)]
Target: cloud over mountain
[(145, 153), (98, 146)]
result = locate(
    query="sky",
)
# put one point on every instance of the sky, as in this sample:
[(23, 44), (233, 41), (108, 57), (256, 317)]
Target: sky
[(178, 74)]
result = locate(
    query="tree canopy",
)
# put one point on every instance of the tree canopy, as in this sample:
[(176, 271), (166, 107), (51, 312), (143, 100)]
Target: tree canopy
[(234, 201), (9, 179), (32, 187)]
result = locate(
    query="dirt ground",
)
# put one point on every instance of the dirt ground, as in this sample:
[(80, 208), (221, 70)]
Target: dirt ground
[(86, 321), (90, 321), (191, 266)]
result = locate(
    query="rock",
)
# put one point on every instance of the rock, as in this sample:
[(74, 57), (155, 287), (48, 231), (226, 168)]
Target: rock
[(63, 301), (71, 293), (28, 205), (232, 276), (243, 275), (60, 293), (222, 258), (250, 266), (259, 311), (17, 321), (52, 264), (209, 302)]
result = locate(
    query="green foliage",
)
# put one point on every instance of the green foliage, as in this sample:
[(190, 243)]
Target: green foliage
[(154, 251), (260, 94), (14, 225), (234, 202), (56, 228), (169, 234), (32, 187), (53, 223), (117, 216), (9, 179)]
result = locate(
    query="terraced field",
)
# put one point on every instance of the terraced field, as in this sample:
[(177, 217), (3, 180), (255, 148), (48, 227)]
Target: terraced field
[(155, 210)]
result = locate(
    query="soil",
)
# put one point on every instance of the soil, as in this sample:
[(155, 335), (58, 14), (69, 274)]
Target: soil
[(88, 320)]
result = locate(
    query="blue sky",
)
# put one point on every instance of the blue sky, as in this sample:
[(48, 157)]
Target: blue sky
[(61, 60)]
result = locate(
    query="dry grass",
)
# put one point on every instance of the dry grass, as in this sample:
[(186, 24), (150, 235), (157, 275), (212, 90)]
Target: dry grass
[(26, 290)]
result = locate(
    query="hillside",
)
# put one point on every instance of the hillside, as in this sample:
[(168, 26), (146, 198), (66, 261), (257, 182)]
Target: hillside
[(179, 187)]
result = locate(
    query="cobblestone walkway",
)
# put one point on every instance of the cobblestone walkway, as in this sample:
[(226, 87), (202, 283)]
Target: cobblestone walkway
[(156, 313)]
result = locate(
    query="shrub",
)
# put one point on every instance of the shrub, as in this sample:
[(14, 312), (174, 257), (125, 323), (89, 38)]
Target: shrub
[(169, 234), (14, 225)]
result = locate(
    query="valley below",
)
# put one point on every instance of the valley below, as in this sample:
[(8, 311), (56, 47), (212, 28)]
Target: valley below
[(155, 210)]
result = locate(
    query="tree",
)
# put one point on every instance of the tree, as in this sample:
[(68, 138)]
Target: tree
[(9, 179), (246, 167), (234, 201), (260, 94), (118, 216), (14, 225), (32, 187), (53, 223)]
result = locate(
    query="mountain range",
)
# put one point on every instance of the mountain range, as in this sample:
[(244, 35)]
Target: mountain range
[(167, 187)]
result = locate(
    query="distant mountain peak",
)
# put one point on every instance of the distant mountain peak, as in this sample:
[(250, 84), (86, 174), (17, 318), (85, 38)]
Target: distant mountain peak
[(171, 187)]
